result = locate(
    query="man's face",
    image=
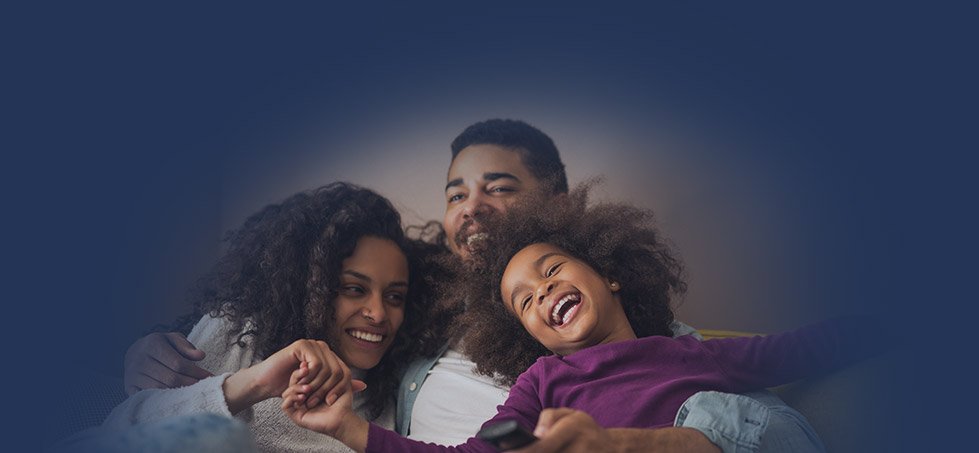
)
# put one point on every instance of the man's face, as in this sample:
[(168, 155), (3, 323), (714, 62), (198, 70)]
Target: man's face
[(483, 180)]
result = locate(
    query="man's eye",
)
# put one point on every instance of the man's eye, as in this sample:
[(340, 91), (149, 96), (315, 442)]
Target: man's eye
[(501, 189), (455, 198)]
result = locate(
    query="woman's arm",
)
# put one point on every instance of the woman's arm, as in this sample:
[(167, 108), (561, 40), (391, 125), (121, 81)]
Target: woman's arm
[(240, 386), (224, 357)]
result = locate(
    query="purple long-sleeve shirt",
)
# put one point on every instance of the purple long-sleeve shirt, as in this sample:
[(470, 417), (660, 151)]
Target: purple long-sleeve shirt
[(642, 383)]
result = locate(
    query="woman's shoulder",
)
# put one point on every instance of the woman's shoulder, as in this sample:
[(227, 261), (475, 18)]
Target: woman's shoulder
[(210, 326), (218, 337)]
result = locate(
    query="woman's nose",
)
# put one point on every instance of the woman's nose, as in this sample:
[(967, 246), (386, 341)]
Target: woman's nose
[(374, 310)]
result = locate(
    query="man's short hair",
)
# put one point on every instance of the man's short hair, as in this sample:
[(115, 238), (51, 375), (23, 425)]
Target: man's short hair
[(537, 150)]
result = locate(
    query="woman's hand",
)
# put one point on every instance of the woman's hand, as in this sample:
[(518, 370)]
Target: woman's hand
[(334, 418), (270, 377)]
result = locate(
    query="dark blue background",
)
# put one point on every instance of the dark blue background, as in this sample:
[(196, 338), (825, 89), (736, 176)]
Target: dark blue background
[(120, 118)]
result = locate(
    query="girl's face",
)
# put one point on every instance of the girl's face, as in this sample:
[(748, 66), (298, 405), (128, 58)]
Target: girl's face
[(563, 302), (370, 304)]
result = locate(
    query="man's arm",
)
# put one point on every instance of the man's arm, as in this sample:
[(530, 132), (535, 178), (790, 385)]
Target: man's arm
[(162, 360), (708, 422), (713, 413), (755, 422)]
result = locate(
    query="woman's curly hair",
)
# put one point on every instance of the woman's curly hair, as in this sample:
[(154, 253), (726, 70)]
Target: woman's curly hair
[(619, 241), (278, 279)]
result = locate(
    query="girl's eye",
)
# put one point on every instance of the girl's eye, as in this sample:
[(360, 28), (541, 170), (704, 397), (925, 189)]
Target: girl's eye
[(523, 305), (552, 270)]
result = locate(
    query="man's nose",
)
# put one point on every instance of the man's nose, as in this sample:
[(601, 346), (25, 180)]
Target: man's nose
[(476, 206)]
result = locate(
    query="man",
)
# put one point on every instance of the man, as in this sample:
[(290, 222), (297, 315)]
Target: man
[(494, 164)]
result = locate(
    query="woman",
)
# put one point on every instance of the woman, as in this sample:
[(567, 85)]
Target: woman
[(325, 267)]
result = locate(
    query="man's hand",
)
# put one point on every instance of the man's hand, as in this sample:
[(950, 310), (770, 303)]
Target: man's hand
[(569, 430), (162, 360)]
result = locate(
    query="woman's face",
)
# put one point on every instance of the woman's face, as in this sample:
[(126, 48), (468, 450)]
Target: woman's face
[(370, 306), (561, 301)]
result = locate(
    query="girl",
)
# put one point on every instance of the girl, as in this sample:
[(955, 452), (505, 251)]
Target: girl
[(321, 279), (593, 285)]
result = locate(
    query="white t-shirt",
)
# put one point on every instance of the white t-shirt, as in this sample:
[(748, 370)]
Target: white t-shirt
[(455, 401)]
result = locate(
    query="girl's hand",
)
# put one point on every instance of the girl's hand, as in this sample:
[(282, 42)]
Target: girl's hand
[(333, 418), (270, 377)]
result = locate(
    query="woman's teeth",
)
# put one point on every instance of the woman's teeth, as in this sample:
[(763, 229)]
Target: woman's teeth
[(556, 316), (366, 336)]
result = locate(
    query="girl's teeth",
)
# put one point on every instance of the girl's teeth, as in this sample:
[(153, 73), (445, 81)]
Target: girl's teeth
[(556, 312)]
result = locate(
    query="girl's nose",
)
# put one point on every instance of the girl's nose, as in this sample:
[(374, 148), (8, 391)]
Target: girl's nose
[(543, 290)]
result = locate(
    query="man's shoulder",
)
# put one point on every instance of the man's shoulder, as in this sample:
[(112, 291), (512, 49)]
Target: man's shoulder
[(680, 329)]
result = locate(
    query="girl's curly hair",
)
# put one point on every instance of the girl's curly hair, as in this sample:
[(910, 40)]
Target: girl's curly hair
[(617, 240), (281, 272)]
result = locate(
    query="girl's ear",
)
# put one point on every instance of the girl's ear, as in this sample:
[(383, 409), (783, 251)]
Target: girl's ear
[(614, 285)]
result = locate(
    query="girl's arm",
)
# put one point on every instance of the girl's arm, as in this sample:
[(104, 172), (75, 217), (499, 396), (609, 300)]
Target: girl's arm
[(339, 421), (768, 361)]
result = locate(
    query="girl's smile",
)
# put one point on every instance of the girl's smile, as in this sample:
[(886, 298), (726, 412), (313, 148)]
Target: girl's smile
[(561, 301), (563, 307)]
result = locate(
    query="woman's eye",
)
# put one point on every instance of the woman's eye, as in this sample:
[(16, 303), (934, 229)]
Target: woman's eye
[(352, 290), (396, 299)]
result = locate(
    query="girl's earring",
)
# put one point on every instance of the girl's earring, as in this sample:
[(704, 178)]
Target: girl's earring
[(614, 286)]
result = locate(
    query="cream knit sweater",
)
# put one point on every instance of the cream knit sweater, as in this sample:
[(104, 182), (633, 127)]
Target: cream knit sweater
[(271, 428)]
